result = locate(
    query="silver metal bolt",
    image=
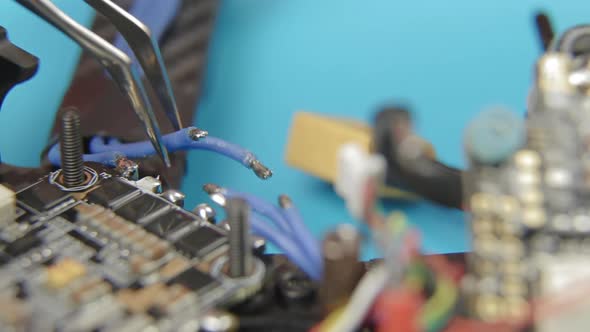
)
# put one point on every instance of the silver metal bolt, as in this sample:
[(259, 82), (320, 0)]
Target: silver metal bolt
[(240, 254), (71, 149)]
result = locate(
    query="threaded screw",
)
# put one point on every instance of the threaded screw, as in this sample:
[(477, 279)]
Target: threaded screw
[(240, 255), (72, 163)]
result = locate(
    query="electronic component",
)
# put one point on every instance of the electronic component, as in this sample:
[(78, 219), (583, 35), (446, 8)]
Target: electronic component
[(200, 242), (141, 207), (23, 244), (560, 279), (169, 222), (195, 280), (86, 240), (116, 256), (64, 272), (341, 250), (42, 196), (97, 258), (111, 192)]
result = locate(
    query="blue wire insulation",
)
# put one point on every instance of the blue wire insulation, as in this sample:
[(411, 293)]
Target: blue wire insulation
[(264, 208), (289, 247), (157, 15), (180, 140), (106, 158), (97, 144), (306, 239), (176, 141)]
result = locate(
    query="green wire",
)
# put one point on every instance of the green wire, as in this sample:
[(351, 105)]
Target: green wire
[(440, 307)]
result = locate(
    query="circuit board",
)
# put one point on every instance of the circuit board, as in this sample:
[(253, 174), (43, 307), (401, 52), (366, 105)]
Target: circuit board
[(115, 257)]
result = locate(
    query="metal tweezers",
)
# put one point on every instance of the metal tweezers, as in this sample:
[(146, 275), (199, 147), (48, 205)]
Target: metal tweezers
[(118, 64)]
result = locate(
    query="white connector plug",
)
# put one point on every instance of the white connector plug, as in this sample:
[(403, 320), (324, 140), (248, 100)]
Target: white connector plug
[(355, 168)]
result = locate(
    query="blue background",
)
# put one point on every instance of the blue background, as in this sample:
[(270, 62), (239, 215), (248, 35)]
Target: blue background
[(270, 58)]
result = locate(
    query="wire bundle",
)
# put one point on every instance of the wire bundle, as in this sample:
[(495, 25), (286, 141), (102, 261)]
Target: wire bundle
[(189, 138), (289, 232)]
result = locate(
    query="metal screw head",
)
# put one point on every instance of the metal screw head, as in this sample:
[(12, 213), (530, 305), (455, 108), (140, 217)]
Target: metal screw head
[(206, 212), (174, 196)]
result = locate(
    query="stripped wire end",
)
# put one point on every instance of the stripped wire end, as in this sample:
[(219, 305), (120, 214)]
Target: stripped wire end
[(216, 193), (196, 134), (285, 202), (260, 170)]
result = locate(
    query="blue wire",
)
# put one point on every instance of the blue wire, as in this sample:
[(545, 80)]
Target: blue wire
[(306, 239), (176, 141), (264, 208), (284, 243), (106, 158), (288, 220)]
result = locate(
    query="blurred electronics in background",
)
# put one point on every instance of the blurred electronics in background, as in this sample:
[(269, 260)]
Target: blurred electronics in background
[(99, 238)]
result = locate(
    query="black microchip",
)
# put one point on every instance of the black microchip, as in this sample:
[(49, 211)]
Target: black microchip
[(169, 222), (200, 242), (156, 312), (141, 207), (42, 196), (110, 191), (195, 280), (23, 215), (86, 240), (23, 244), (70, 215), (4, 259)]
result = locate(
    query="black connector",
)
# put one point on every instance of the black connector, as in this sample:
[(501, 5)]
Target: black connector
[(417, 173)]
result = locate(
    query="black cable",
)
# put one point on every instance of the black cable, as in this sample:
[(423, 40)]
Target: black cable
[(544, 30), (418, 173)]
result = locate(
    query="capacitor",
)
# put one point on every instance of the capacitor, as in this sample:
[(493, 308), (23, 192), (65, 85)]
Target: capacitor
[(342, 269), (494, 135)]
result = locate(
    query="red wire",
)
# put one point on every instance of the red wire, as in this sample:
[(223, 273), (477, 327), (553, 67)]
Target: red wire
[(397, 311)]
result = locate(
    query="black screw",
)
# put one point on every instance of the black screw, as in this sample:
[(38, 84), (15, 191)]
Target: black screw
[(240, 255), (71, 148)]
